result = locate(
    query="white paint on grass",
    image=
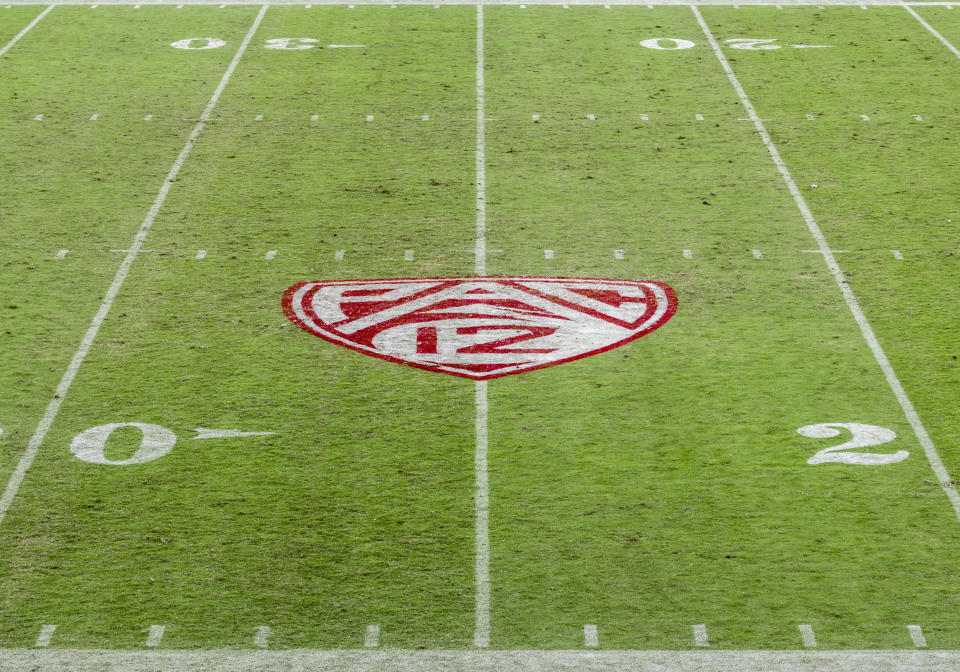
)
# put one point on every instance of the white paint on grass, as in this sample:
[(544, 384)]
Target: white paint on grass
[(688, 254), (62, 254), (39, 117), (408, 255), (371, 638), (424, 117), (338, 255), (699, 117), (259, 117), (897, 254), (592, 117), (917, 117), (590, 636), (314, 117), (810, 117), (270, 255), (369, 117), (94, 117), (700, 635), (480, 238), (201, 254), (203, 43), (203, 433), (148, 117), (919, 430), (757, 254), (644, 117), (155, 442), (807, 637), (916, 634), (548, 254), (53, 408), (946, 43), (46, 634), (618, 254), (535, 117), (865, 117), (262, 635), (861, 436), (155, 635)]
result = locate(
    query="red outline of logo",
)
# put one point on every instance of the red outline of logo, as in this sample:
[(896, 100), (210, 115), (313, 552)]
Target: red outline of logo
[(289, 311)]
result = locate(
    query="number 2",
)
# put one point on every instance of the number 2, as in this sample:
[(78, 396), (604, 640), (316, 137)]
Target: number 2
[(863, 436)]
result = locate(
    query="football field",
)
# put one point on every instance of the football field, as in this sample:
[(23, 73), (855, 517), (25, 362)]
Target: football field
[(264, 399)]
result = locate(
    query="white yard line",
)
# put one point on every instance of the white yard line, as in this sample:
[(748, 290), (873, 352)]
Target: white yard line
[(892, 380), (481, 633), (596, 3), (13, 485), (23, 32), (932, 30)]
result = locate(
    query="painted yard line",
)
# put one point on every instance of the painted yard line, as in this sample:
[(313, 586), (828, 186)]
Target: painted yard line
[(700, 635), (261, 636), (916, 634), (933, 457), (926, 25), (396, 660), (481, 497), (587, 3), (590, 636), (13, 485), (371, 638), (807, 637), (26, 30), (46, 634), (155, 635)]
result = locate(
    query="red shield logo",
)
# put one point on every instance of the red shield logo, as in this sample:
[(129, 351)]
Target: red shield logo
[(484, 327)]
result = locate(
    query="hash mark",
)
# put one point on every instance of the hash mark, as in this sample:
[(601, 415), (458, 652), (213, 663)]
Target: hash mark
[(810, 117), (338, 255), (644, 117), (897, 255), (62, 254), (94, 117), (148, 117), (408, 255), (757, 254), (201, 254), (548, 254), (916, 634), (260, 638), (259, 117), (618, 254), (369, 117), (424, 117), (865, 117), (806, 634), (590, 637), (592, 117), (918, 117), (156, 634), (688, 254), (270, 255), (535, 117), (39, 117), (46, 634), (700, 635), (699, 117), (314, 117), (371, 638)]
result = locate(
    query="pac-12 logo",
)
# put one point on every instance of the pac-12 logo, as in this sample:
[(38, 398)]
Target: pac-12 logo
[(484, 327)]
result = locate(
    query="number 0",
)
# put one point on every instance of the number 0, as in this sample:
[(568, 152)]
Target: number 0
[(156, 442)]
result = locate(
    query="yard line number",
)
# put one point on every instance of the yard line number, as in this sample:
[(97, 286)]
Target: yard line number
[(742, 43), (862, 436), (284, 43)]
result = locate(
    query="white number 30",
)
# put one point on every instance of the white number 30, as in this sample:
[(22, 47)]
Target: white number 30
[(863, 436)]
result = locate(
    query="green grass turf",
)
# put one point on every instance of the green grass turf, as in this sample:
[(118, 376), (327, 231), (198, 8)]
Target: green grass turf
[(644, 490)]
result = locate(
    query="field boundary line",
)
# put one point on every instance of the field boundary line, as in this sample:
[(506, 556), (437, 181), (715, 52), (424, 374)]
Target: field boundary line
[(932, 30), (514, 3), (13, 485), (481, 633), (919, 430), (399, 660), (23, 32)]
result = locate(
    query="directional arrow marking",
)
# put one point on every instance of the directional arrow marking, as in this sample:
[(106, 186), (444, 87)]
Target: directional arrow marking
[(225, 433), (811, 46), (345, 46)]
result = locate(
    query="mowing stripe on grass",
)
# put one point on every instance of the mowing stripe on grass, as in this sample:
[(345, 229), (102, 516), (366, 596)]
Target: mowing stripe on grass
[(23, 32), (13, 485), (919, 430), (932, 30), (481, 633)]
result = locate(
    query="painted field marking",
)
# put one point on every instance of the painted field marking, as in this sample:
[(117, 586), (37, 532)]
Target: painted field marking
[(644, 117), (93, 6), (700, 635), (606, 6), (806, 635), (916, 634), (39, 117), (259, 117), (50, 414), (148, 117), (369, 117), (917, 117), (62, 254), (179, 6), (592, 117), (863, 6), (618, 254), (345, 46), (271, 254), (688, 254), (548, 254), (523, 6), (424, 117), (201, 254), (897, 255), (338, 255), (919, 430), (308, 6), (590, 636), (262, 634), (371, 638), (699, 117), (155, 635), (46, 634), (535, 117), (810, 117), (136, 6), (314, 117), (757, 254), (408, 255), (481, 491), (223, 6), (94, 117), (946, 43), (203, 433), (865, 117)]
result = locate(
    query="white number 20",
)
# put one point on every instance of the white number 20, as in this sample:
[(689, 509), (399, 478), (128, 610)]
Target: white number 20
[(863, 436)]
